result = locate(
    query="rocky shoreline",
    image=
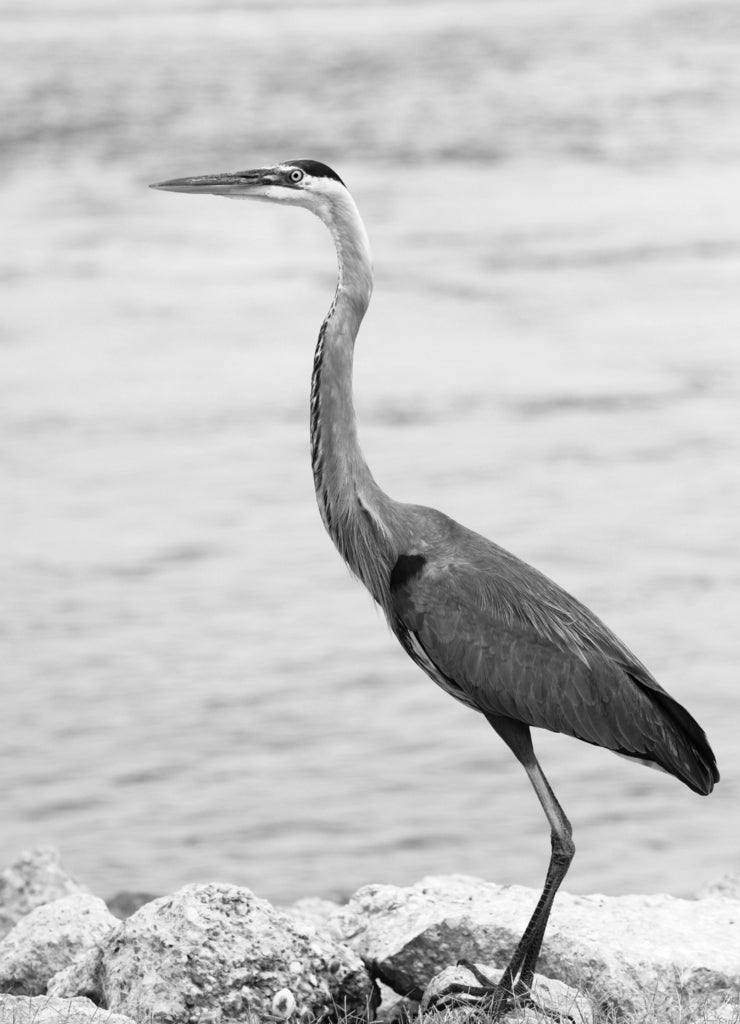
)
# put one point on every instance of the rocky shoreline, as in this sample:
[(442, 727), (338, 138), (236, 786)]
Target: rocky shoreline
[(217, 953)]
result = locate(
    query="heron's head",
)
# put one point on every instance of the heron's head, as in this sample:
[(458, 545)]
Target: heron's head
[(297, 182)]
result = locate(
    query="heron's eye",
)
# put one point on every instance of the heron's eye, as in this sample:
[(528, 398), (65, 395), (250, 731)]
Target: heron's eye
[(296, 175)]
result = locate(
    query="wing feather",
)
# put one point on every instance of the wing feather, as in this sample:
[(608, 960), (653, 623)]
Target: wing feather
[(509, 642)]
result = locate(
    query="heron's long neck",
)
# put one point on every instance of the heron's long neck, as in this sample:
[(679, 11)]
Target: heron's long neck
[(350, 501)]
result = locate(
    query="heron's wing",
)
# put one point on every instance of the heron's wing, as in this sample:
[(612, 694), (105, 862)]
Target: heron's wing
[(509, 642)]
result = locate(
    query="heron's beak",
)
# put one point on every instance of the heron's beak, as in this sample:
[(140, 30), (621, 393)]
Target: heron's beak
[(232, 183)]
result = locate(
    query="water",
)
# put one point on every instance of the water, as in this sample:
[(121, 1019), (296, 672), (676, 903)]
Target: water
[(193, 687)]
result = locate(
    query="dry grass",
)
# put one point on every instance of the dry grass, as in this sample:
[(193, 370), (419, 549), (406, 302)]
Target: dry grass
[(669, 1006), (672, 1007)]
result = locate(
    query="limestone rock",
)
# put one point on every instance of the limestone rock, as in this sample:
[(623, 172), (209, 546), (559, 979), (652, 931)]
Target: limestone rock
[(616, 949), (726, 885), (49, 939), (314, 912), (48, 1010), (213, 952), (80, 978), (36, 877), (395, 1009), (553, 997)]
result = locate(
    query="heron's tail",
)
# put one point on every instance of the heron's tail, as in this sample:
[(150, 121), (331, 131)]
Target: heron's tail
[(685, 750)]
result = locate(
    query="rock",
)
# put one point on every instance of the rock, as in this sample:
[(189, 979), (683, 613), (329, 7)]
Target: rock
[(80, 978), (49, 939), (214, 952), (553, 996), (35, 878), (395, 1009), (313, 912), (48, 1010), (617, 949), (726, 885)]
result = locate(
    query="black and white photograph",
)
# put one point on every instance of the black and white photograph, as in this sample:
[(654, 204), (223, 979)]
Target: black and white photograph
[(370, 512)]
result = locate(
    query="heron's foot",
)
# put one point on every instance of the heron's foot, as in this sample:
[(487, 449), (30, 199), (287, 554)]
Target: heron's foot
[(455, 991), (493, 999)]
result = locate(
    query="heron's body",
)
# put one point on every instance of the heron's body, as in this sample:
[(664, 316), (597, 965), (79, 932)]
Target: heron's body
[(488, 628)]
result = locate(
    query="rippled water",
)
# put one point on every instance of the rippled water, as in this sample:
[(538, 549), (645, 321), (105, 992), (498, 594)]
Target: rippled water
[(193, 687)]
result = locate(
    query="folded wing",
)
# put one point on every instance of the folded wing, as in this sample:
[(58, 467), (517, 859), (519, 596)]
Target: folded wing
[(507, 641)]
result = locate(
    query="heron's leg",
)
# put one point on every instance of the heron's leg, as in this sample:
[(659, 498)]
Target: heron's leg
[(516, 980), (524, 960)]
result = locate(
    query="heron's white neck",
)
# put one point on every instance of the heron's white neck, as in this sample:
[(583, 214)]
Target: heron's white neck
[(349, 499)]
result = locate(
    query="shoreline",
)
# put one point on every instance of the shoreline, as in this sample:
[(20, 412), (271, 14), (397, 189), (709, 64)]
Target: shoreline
[(237, 956)]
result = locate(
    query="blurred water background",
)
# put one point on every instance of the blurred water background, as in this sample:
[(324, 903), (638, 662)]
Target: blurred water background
[(192, 686)]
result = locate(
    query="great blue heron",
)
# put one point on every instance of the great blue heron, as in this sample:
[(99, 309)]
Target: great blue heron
[(489, 629)]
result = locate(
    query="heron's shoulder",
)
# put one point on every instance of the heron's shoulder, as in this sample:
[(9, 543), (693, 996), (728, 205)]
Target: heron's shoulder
[(454, 551), (431, 531)]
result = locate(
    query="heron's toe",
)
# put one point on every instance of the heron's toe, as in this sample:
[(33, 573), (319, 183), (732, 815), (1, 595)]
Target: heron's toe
[(466, 985)]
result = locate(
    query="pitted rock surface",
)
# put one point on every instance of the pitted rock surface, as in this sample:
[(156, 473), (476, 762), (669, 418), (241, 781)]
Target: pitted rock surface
[(34, 878), (217, 952), (50, 1010), (49, 939)]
